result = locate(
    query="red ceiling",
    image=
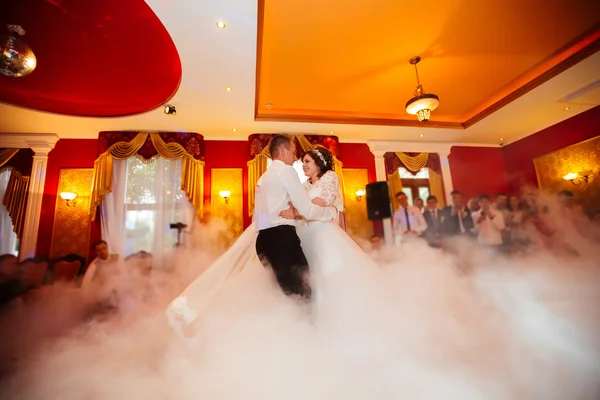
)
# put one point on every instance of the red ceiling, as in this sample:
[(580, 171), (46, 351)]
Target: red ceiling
[(104, 58)]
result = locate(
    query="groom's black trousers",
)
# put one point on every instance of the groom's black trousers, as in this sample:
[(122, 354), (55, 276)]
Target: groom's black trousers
[(279, 247)]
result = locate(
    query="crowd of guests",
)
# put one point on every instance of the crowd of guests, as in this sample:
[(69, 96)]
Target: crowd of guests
[(507, 222)]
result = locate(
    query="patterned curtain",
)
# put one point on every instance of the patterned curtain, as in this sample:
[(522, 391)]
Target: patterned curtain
[(121, 145), (259, 153)]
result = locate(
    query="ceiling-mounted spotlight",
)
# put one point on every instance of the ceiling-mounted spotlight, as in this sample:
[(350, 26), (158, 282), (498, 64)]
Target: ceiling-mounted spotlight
[(422, 104), (170, 110), (16, 58)]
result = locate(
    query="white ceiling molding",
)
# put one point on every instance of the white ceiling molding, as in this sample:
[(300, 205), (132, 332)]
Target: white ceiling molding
[(40, 143)]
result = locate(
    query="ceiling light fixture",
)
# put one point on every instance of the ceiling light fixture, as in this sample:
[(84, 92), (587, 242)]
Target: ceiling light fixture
[(331, 133), (421, 104), (16, 58), (567, 108), (221, 25), (170, 110), (235, 130), (228, 89), (422, 135)]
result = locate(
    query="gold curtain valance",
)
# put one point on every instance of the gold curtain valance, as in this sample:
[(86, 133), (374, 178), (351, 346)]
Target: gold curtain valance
[(15, 200), (414, 163), (6, 155), (258, 166), (192, 170), (395, 183)]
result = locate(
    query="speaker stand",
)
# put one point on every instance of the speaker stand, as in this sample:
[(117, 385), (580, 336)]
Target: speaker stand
[(388, 233)]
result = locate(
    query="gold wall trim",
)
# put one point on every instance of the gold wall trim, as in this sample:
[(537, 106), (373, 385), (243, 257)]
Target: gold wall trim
[(71, 229), (228, 179), (357, 223), (583, 156)]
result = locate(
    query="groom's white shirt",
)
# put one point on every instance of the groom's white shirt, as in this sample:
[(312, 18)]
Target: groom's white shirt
[(278, 186)]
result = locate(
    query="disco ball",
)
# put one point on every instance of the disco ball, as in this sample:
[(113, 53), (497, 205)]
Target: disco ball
[(16, 58)]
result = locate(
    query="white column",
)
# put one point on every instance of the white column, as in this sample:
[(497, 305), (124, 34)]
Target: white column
[(41, 144), (34, 205), (446, 175), (381, 175)]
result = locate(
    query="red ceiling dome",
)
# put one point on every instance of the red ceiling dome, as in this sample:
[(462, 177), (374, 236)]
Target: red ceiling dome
[(94, 58)]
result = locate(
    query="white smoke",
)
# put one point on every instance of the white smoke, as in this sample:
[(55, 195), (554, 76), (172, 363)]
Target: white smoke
[(428, 325)]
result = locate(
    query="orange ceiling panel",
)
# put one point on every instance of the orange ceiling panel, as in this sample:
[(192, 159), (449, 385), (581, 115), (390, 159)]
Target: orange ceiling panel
[(347, 61)]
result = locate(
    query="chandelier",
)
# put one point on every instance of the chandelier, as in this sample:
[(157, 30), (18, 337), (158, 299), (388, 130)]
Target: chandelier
[(422, 104), (16, 58)]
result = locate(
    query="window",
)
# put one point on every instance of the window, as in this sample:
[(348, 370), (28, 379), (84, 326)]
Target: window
[(415, 186), (153, 201), (422, 174), (297, 166)]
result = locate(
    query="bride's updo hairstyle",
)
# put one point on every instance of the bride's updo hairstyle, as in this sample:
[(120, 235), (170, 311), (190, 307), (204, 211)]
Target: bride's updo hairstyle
[(322, 158)]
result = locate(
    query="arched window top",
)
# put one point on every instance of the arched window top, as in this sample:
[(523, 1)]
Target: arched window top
[(422, 174)]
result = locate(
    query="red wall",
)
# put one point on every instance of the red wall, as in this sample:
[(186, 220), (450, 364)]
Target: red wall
[(226, 154), (68, 153), (358, 155), (478, 170), (519, 155)]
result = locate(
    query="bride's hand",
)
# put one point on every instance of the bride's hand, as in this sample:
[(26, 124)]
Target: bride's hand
[(319, 201)]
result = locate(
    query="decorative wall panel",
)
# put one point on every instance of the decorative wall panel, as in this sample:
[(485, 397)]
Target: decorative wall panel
[(228, 179), (356, 211), (583, 156), (71, 229)]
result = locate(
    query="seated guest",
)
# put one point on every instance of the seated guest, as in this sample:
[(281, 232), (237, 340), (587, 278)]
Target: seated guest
[(433, 218), (407, 219), (489, 223), (376, 242), (95, 282), (456, 219)]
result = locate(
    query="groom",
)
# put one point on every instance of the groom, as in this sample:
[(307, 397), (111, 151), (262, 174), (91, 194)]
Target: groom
[(277, 243)]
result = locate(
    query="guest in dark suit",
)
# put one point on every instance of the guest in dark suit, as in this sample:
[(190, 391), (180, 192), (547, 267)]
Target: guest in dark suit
[(456, 219), (433, 217)]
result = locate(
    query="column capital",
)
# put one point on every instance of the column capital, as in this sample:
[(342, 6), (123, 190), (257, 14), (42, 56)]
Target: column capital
[(40, 143)]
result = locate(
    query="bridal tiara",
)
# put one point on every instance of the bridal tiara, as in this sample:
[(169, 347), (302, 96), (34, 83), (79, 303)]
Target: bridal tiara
[(317, 152)]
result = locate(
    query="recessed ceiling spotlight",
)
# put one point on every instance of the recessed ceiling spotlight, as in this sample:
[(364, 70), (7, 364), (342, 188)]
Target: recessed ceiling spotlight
[(331, 133), (269, 106), (567, 108), (221, 25), (235, 130), (228, 89), (501, 139), (170, 110), (421, 135)]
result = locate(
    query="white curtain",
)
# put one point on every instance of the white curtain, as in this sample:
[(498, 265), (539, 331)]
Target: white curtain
[(146, 199), (113, 210), (8, 238)]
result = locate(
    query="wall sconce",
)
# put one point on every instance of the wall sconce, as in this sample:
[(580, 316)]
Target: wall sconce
[(578, 177), (359, 195), (69, 197), (225, 195)]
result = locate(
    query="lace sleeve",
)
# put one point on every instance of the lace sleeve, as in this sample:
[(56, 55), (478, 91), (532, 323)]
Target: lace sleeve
[(330, 187)]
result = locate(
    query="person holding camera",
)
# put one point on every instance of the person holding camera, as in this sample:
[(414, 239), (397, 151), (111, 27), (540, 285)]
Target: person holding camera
[(489, 223)]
